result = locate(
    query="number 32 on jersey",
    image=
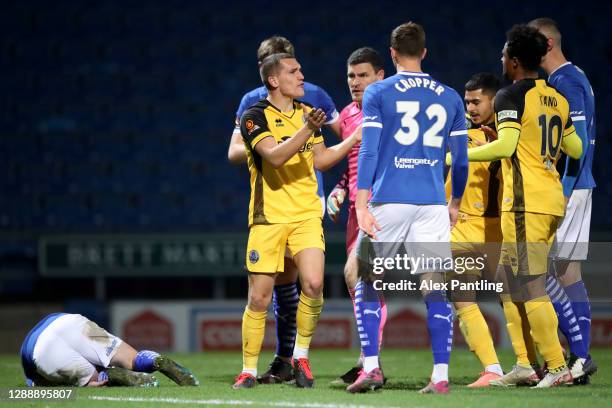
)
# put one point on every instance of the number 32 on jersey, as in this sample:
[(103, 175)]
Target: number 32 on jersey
[(410, 109)]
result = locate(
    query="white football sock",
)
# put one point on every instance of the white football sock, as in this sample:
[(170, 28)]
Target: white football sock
[(494, 368), (370, 363), (440, 373)]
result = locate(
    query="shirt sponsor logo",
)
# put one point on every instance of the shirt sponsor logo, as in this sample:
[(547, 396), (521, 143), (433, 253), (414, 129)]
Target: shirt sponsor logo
[(411, 163), (306, 147), (507, 114)]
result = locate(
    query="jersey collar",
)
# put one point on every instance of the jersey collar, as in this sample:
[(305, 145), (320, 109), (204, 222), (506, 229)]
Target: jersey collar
[(295, 107), (413, 73), (559, 67)]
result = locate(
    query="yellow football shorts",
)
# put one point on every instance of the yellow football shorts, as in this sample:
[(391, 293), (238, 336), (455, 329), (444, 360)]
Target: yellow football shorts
[(267, 243), (475, 236), (527, 241)]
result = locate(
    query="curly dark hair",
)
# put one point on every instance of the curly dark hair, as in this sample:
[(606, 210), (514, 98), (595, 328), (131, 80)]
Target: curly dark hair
[(527, 45)]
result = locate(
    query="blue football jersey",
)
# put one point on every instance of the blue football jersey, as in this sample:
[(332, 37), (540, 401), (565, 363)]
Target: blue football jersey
[(408, 119), (572, 82), (313, 95)]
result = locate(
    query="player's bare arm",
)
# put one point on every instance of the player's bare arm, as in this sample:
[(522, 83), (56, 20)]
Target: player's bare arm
[(236, 152), (453, 210), (278, 154), (335, 127), (327, 157), (365, 219)]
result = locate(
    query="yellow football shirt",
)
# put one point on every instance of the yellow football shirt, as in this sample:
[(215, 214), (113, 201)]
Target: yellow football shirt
[(289, 193), (482, 190), (541, 114)]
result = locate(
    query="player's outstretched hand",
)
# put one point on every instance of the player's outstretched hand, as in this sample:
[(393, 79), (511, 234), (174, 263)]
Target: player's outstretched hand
[(315, 118), (334, 203), (367, 222)]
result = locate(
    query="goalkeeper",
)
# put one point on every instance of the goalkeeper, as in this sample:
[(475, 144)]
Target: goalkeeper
[(364, 66)]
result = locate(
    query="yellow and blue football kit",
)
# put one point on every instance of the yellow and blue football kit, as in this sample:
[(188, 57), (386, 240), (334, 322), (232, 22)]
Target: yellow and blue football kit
[(533, 124), (284, 208)]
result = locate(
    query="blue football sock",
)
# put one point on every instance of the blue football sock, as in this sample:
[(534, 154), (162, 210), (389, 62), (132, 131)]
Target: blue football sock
[(581, 304), (102, 376), (285, 300), (568, 323), (367, 314), (440, 326), (144, 361)]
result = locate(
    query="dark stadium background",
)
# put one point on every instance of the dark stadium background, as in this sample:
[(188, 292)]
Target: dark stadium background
[(115, 119)]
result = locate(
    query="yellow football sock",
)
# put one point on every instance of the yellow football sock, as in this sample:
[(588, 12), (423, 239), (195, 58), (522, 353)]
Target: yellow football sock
[(543, 322), (515, 330), (532, 356), (477, 335), (253, 331), (308, 313)]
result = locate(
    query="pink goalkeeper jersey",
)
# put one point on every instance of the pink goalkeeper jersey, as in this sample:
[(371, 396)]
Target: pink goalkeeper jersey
[(350, 119)]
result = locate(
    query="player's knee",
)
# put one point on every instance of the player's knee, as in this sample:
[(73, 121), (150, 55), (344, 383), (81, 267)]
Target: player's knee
[(533, 287), (313, 288), (259, 301), (571, 274)]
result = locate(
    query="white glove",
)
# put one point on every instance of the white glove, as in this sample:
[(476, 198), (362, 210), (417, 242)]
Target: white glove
[(334, 203)]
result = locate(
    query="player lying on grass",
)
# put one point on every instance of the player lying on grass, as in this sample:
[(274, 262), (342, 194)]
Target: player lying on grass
[(71, 350)]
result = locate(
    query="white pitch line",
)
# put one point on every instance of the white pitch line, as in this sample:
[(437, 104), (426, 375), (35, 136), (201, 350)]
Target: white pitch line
[(288, 404)]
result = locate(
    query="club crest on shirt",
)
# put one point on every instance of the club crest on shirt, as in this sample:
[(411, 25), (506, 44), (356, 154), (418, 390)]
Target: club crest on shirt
[(250, 126), (253, 256)]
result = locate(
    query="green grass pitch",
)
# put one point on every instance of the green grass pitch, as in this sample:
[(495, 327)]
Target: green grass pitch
[(407, 371)]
